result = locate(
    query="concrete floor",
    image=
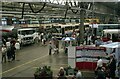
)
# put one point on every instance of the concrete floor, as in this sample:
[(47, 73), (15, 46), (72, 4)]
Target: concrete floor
[(33, 56)]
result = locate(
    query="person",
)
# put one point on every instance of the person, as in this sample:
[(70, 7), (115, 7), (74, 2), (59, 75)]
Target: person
[(13, 41), (101, 73), (36, 40), (43, 41), (93, 38), (57, 46), (79, 75), (19, 40), (98, 42), (50, 48), (13, 52), (112, 66), (4, 50), (118, 69), (8, 44), (3, 41), (9, 54), (89, 40), (61, 74), (78, 40), (41, 36), (99, 63), (17, 45)]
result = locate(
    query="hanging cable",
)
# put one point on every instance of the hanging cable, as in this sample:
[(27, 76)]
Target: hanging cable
[(38, 10), (66, 13), (23, 10), (75, 12)]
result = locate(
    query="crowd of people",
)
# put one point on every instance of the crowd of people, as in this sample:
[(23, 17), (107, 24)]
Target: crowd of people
[(11, 45), (8, 49), (63, 73), (102, 71), (107, 71)]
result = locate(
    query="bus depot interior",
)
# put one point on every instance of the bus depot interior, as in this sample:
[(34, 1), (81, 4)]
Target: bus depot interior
[(59, 25)]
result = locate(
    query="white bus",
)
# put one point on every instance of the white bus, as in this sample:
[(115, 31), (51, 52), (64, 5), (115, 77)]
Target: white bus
[(111, 34), (61, 30), (102, 27)]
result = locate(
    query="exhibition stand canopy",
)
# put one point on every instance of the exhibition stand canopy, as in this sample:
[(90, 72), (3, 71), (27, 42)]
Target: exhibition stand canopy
[(112, 45)]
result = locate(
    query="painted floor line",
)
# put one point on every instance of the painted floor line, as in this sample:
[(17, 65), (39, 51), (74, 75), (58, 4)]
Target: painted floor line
[(52, 65), (23, 64), (56, 69)]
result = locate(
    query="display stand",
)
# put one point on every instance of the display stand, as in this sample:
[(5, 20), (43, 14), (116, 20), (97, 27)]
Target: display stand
[(85, 57)]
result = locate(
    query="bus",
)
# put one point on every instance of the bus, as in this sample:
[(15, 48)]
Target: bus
[(92, 20), (61, 30), (111, 34), (101, 27)]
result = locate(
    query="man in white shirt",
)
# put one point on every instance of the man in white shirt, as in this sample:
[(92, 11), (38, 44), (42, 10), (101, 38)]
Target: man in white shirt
[(4, 51), (89, 40), (99, 63)]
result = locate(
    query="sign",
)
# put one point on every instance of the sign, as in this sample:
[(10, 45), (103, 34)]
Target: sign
[(94, 25)]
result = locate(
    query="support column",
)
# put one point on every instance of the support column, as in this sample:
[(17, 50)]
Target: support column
[(9, 20), (81, 28)]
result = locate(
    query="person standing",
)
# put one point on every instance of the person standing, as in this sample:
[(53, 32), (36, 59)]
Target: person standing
[(50, 48), (101, 73), (118, 69), (17, 45), (89, 40), (56, 43), (8, 44), (41, 36), (9, 54), (3, 41), (13, 41), (4, 50), (98, 42), (93, 38), (43, 41), (99, 65), (112, 66), (13, 52)]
